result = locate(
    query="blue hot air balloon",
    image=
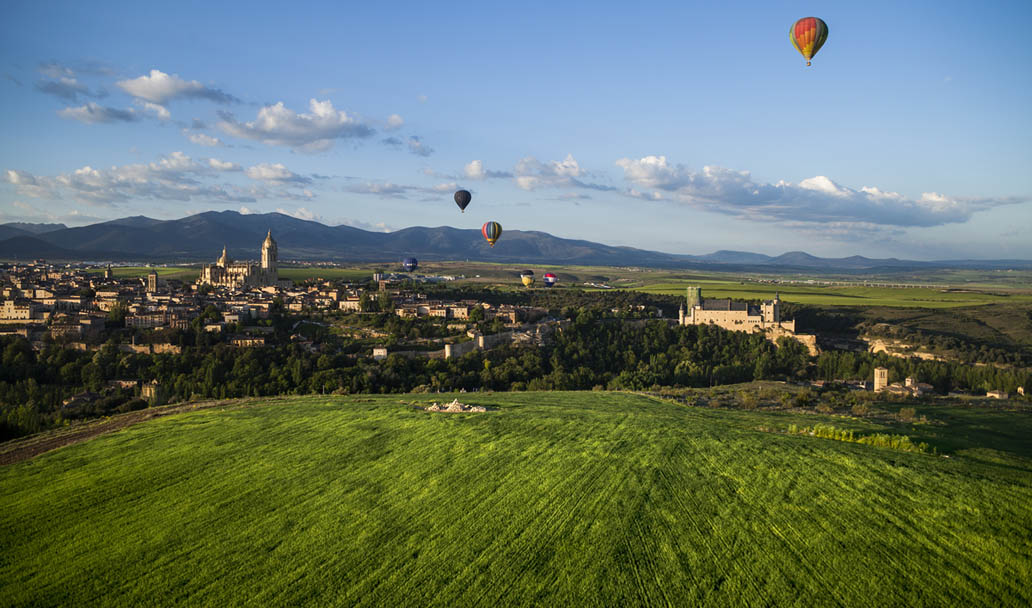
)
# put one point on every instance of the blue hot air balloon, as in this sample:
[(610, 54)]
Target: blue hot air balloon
[(410, 264)]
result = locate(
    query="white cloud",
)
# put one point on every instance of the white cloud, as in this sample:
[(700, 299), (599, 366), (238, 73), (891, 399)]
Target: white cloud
[(275, 173), (248, 211), (532, 174), (418, 147), (92, 113), (224, 166), (812, 202), (395, 121), (160, 112), (278, 125), (382, 189), (175, 177), (202, 139), (160, 88), (475, 170)]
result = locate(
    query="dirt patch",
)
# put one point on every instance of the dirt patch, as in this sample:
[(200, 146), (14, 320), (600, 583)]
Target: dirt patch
[(30, 447)]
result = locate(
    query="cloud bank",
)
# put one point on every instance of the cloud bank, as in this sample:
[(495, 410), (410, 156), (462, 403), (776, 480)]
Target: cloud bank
[(176, 177), (813, 201)]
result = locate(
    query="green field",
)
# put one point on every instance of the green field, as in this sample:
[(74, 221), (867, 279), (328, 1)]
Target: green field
[(906, 297), (556, 499)]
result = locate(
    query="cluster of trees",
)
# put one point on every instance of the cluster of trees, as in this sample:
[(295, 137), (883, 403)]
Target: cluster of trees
[(596, 350)]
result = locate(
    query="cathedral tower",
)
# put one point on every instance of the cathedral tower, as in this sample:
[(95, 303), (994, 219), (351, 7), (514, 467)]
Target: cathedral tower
[(270, 252)]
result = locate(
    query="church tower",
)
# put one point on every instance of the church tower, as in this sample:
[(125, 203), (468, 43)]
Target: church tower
[(270, 252)]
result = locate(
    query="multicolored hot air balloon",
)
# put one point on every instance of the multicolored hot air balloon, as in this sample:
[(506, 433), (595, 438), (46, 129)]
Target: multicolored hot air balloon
[(527, 276), (808, 36), (410, 264), (462, 198), (491, 232), (550, 279)]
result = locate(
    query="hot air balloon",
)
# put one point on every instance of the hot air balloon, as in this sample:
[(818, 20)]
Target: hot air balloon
[(410, 264), (462, 198), (550, 279), (527, 276), (491, 231), (808, 36)]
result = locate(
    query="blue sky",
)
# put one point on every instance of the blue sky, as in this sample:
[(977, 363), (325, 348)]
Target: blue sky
[(683, 127)]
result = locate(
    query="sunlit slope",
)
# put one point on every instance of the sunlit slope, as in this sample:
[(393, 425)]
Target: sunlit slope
[(553, 499)]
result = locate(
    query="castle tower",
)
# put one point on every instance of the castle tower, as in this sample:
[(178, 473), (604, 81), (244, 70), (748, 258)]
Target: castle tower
[(224, 258), (270, 253), (680, 315)]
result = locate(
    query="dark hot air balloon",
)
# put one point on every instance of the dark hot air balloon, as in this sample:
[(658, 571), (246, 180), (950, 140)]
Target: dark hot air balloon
[(491, 232), (808, 36), (410, 264), (462, 198), (550, 279)]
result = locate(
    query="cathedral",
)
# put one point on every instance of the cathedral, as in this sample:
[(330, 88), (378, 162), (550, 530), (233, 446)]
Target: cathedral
[(236, 275)]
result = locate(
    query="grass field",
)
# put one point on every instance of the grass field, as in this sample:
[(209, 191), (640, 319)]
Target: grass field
[(558, 499), (911, 297)]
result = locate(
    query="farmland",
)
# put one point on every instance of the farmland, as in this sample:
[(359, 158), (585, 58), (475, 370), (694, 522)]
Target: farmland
[(551, 499)]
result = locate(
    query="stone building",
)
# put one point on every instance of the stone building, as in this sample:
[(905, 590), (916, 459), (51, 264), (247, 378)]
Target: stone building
[(741, 316), (235, 275)]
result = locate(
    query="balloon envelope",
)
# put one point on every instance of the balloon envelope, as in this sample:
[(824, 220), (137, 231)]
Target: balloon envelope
[(491, 232), (410, 264), (808, 36), (550, 279), (527, 276), (462, 198)]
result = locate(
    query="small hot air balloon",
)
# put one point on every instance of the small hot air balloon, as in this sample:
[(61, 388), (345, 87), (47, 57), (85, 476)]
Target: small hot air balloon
[(808, 36), (410, 264), (491, 231), (527, 276), (462, 198), (550, 279)]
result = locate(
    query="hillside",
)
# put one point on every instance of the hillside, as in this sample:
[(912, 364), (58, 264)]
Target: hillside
[(550, 499), (201, 237)]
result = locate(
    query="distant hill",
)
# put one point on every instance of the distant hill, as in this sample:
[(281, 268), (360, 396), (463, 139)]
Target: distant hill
[(32, 228), (201, 238)]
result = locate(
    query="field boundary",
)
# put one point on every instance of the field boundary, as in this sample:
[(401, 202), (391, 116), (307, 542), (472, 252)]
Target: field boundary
[(26, 448)]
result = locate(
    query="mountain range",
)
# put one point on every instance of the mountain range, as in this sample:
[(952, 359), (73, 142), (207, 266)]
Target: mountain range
[(201, 238)]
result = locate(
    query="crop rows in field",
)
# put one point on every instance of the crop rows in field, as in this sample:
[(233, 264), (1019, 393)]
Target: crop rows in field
[(553, 498)]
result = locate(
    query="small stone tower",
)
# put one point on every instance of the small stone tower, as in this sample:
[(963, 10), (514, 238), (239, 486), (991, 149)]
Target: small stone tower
[(881, 379)]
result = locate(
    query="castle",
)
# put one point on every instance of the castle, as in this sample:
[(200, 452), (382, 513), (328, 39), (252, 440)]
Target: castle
[(234, 275), (740, 316)]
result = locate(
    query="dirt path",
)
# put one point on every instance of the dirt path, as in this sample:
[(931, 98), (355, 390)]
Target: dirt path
[(34, 445)]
